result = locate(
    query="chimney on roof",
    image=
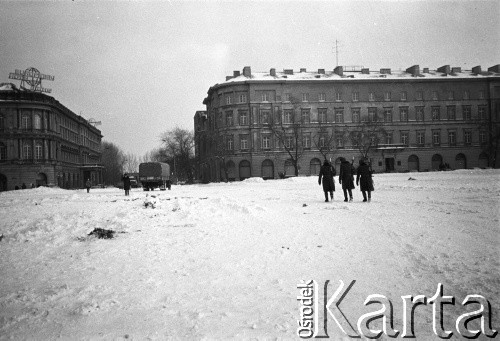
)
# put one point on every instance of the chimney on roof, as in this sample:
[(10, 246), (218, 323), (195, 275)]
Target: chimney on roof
[(456, 69), (476, 69), (272, 72), (365, 71), (303, 70), (444, 69), (339, 70), (321, 71), (426, 70), (236, 73), (414, 70), (494, 68), (288, 71), (247, 72), (385, 71)]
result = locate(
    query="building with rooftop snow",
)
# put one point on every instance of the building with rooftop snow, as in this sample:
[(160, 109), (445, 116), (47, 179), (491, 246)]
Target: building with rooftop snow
[(43, 143), (425, 120)]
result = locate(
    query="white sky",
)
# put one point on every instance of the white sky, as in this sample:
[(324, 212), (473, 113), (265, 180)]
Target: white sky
[(144, 67)]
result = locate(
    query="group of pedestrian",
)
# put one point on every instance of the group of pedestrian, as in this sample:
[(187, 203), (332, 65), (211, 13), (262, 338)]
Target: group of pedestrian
[(126, 184), (23, 186), (346, 179)]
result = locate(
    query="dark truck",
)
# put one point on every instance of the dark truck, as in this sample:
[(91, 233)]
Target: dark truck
[(154, 175)]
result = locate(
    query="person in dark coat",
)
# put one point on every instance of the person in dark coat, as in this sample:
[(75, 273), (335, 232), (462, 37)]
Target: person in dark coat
[(346, 178), (364, 180), (88, 184), (126, 183), (326, 174)]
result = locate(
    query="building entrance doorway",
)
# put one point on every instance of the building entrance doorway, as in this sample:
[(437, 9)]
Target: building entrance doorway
[(41, 180), (389, 164)]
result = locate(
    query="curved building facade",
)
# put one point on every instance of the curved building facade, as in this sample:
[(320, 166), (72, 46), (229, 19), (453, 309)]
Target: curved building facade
[(431, 119), (43, 143)]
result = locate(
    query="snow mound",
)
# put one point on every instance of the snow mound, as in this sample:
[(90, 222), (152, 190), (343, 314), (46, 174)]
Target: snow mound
[(34, 191), (299, 179), (254, 180)]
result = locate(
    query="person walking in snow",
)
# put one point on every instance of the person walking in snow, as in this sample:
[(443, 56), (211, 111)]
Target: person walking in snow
[(346, 178), (88, 184), (126, 184), (364, 180), (326, 174)]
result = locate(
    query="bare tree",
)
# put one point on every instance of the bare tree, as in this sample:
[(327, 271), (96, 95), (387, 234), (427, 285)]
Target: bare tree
[(179, 151), (368, 135), (329, 139), (288, 129), (131, 163), (154, 155)]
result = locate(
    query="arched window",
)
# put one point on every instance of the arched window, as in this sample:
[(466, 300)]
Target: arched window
[(27, 151), (460, 161), (413, 163), (437, 161), (483, 160), (289, 168), (3, 152), (245, 171), (267, 169), (314, 166), (37, 122), (38, 151)]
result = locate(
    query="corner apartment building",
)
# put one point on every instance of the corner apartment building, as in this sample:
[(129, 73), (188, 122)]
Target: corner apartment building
[(431, 118), (43, 143)]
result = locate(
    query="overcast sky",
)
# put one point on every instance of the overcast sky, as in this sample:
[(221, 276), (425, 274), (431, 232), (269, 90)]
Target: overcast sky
[(143, 68)]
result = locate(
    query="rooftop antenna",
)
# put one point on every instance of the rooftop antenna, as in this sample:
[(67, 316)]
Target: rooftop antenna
[(336, 52)]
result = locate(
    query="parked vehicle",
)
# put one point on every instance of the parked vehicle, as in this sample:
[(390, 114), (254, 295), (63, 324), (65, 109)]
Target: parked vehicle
[(154, 175), (134, 180)]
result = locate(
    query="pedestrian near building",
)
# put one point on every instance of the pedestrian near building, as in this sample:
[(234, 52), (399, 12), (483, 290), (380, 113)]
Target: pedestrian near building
[(346, 178), (23, 186), (126, 184), (326, 174), (364, 180), (88, 184)]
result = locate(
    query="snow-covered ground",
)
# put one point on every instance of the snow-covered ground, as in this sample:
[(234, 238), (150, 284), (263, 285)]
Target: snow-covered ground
[(223, 261)]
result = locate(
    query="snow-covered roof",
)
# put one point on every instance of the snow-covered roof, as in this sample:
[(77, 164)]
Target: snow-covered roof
[(359, 74), (8, 87)]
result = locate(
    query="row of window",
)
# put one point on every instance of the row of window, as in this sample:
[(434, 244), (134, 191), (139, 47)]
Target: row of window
[(35, 121), (67, 129), (373, 114), (322, 141), (35, 152), (269, 96)]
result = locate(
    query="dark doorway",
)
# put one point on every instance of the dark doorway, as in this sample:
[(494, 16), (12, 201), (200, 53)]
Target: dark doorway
[(86, 176), (3, 183), (41, 180), (389, 164)]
